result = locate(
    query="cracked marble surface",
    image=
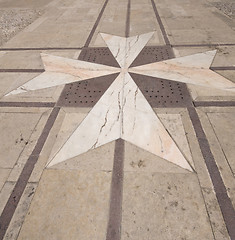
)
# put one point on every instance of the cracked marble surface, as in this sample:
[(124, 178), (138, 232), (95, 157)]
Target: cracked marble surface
[(123, 112), (193, 69), (125, 50)]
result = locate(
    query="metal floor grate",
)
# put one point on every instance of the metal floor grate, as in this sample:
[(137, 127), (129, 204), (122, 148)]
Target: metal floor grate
[(85, 93), (101, 55), (151, 54), (162, 93)]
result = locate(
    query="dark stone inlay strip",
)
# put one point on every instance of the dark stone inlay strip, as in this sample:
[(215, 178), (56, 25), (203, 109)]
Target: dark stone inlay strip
[(23, 70), (88, 41), (115, 210), (214, 104), (223, 68), (27, 104), (19, 188), (35, 49), (203, 45), (127, 32), (160, 23), (80, 48), (217, 181)]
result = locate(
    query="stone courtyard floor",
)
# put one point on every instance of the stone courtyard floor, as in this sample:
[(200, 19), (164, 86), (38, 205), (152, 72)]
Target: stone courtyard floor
[(117, 120)]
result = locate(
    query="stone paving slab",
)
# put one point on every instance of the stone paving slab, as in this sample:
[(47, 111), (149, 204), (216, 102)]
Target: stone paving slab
[(144, 193), (133, 164), (86, 203)]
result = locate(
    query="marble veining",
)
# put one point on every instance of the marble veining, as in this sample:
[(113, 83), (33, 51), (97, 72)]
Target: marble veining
[(193, 69), (125, 50), (60, 71), (143, 128), (101, 125), (122, 111)]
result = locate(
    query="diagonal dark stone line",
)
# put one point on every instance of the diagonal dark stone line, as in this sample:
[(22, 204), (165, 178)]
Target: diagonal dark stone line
[(224, 201), (115, 210), (127, 31), (160, 23), (21, 183), (88, 41)]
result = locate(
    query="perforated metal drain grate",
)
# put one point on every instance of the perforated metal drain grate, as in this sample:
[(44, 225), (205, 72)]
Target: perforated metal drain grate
[(85, 93), (163, 93), (100, 55), (151, 54)]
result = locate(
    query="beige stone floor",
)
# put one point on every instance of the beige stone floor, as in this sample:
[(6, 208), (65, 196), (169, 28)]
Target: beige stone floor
[(71, 199)]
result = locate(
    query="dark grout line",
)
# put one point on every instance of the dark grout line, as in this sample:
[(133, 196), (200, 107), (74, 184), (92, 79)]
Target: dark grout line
[(214, 104), (222, 68), (160, 23), (204, 45), (80, 48), (22, 70), (224, 201), (27, 104), (21, 183), (37, 49), (115, 210), (127, 32), (88, 41)]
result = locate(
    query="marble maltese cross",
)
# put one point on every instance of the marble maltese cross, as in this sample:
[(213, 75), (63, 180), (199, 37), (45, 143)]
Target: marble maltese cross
[(122, 111)]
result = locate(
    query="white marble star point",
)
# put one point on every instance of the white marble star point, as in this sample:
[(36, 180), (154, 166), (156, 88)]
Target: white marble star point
[(192, 69), (60, 71)]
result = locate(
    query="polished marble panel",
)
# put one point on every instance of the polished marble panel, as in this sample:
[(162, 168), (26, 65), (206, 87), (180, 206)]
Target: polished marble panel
[(192, 69)]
